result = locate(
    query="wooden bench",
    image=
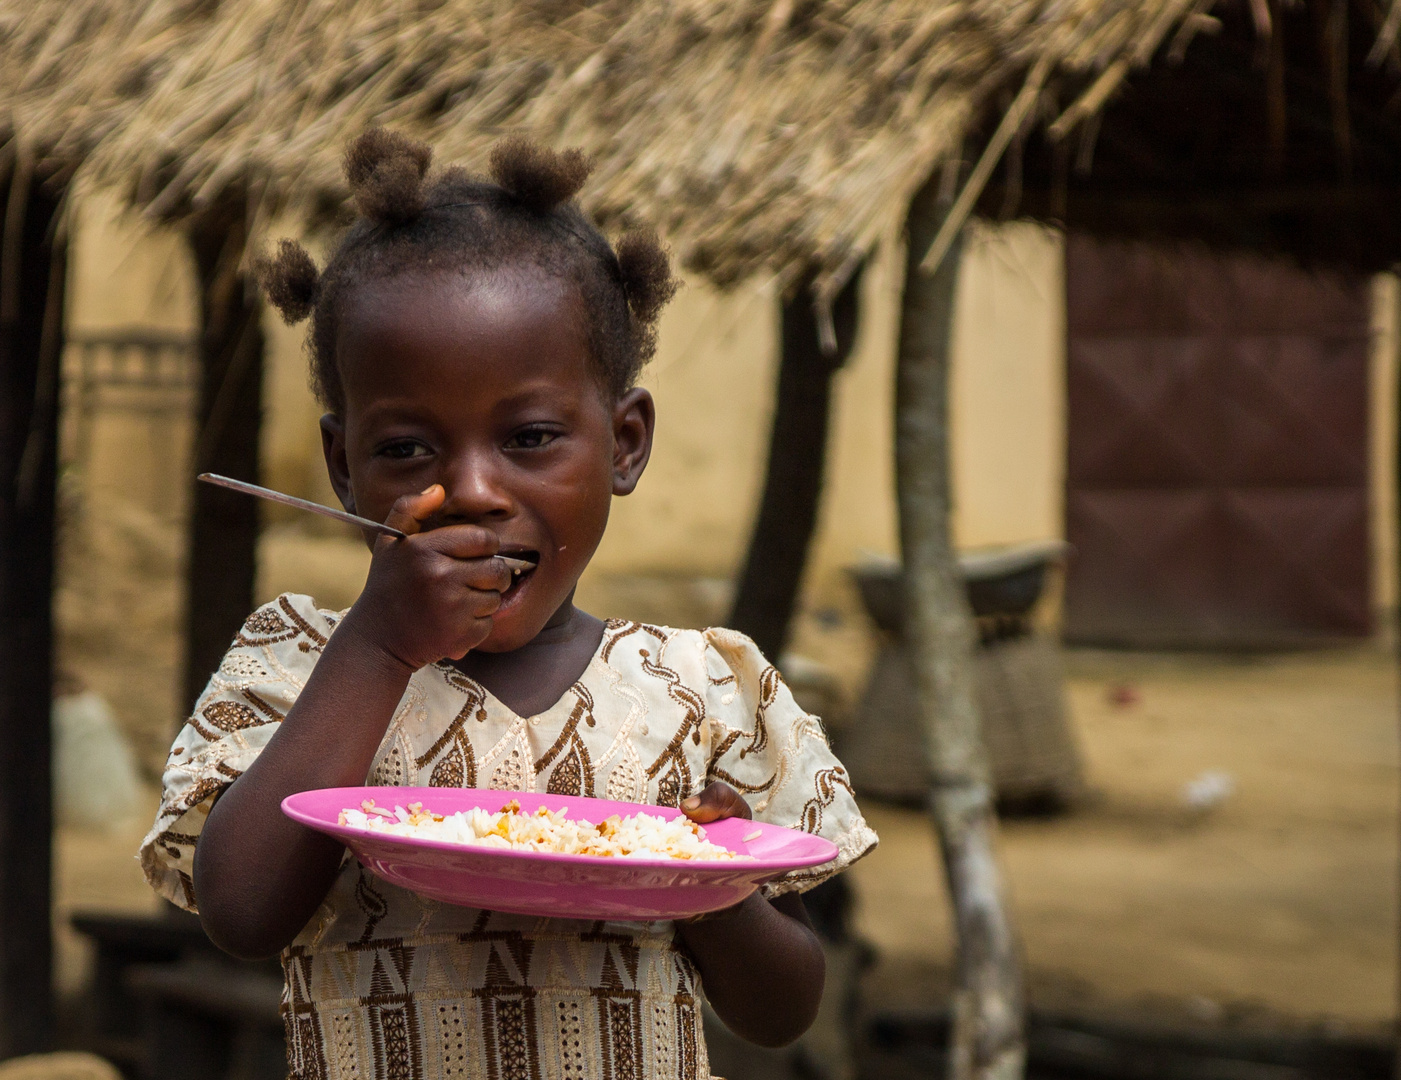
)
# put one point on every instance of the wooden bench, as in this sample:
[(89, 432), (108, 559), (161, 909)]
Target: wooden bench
[(166, 1004)]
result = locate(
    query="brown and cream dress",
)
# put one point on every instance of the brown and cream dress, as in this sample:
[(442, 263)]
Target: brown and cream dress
[(383, 984)]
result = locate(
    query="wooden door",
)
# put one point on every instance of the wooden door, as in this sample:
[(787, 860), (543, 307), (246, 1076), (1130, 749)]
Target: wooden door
[(1217, 449)]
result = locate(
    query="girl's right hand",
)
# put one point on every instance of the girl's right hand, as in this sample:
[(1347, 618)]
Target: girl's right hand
[(432, 594)]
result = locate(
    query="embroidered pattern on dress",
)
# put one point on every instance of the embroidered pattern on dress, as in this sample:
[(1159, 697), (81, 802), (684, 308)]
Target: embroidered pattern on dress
[(574, 773), (570, 1026), (671, 770), (452, 1040), (619, 1009), (621, 628), (512, 759), (827, 782), (627, 782), (242, 666), (458, 766), (508, 1007), (637, 711), (305, 1057), (371, 902), (285, 603), (264, 626)]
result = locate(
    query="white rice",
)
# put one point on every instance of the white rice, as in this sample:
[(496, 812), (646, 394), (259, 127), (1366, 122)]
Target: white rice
[(637, 836)]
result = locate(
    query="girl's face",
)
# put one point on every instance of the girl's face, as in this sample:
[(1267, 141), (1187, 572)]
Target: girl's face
[(485, 386)]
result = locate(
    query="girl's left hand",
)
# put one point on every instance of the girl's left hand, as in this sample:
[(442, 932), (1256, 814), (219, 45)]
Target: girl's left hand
[(760, 961), (717, 801)]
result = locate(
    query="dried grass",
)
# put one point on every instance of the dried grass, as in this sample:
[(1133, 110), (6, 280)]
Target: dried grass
[(70, 73), (756, 135)]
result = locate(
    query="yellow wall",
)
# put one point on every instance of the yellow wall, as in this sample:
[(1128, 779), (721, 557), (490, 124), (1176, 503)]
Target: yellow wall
[(124, 276), (714, 383), (123, 493), (1008, 389), (125, 273)]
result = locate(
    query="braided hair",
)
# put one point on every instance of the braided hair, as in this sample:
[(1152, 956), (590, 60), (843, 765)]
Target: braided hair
[(408, 220)]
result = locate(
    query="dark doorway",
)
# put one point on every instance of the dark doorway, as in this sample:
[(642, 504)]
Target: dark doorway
[(1217, 449)]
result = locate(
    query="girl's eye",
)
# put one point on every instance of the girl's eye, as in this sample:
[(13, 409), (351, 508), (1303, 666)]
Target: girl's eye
[(405, 448), (531, 439)]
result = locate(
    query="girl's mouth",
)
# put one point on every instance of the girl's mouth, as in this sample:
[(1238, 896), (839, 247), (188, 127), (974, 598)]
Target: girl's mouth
[(523, 565), (517, 560)]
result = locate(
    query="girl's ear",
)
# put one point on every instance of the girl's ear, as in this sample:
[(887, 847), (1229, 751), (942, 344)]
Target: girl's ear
[(634, 419), (337, 464)]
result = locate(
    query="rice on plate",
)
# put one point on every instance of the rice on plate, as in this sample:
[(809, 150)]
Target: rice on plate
[(637, 836)]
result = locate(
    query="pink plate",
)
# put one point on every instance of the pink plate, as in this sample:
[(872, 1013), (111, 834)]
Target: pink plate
[(563, 886)]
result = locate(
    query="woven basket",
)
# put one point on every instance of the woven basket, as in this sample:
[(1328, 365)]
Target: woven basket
[(1034, 759)]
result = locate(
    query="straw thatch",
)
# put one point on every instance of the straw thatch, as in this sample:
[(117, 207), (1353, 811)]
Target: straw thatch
[(71, 72), (757, 135)]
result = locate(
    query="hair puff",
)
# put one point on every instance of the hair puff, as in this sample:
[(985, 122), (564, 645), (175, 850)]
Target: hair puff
[(290, 280), (385, 170), (537, 177), (451, 221), (646, 274)]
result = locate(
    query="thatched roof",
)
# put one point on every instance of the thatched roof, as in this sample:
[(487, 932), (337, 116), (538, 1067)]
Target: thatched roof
[(71, 72), (757, 135)]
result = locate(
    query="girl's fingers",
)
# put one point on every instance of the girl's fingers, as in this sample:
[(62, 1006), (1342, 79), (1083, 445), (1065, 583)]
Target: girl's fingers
[(471, 547), (494, 575), (481, 627), (409, 512), (463, 541), (717, 801), (484, 575)]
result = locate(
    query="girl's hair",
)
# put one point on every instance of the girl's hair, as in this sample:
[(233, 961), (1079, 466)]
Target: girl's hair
[(457, 222)]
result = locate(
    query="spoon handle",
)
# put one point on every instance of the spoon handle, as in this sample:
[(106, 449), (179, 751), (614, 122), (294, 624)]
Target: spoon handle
[(327, 511), (301, 504)]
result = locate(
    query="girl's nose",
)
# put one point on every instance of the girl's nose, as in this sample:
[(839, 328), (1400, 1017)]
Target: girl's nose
[(475, 492)]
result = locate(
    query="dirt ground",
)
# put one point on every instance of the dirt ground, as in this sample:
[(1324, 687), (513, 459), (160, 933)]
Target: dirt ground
[(1279, 903)]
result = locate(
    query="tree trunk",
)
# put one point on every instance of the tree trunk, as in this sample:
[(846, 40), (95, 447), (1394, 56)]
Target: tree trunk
[(221, 559), (987, 1036), (33, 259), (778, 547)]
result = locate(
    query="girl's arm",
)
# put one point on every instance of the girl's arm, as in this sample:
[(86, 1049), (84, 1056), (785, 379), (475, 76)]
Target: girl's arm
[(760, 960), (259, 877)]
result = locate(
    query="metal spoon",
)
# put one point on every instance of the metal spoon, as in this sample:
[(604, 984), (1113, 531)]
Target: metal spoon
[(516, 565)]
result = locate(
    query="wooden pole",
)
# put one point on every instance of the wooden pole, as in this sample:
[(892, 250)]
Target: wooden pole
[(772, 576), (223, 539), (778, 547), (987, 1040), (32, 269), (1395, 614)]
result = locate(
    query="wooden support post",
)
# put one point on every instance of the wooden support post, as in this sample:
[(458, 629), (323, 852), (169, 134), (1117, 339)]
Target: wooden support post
[(987, 1040), (32, 269), (1394, 615), (223, 536), (778, 547), (773, 574)]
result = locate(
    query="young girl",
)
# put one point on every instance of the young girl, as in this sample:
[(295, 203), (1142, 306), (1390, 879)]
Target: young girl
[(477, 346)]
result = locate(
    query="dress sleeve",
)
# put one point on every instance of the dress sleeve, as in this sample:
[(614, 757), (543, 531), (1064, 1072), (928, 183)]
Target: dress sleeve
[(257, 682), (777, 756)]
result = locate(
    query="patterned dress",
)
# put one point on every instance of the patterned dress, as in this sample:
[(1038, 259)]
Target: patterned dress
[(383, 984)]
